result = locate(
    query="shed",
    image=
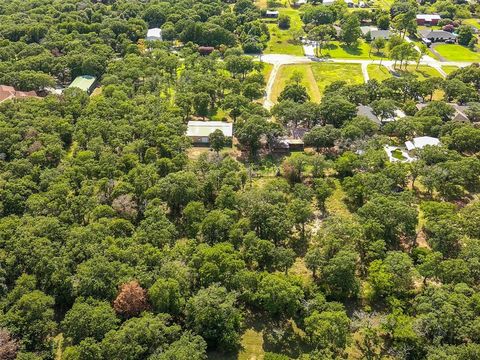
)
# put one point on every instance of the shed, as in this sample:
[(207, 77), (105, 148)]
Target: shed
[(84, 82), (205, 50), (272, 14), (154, 34), (199, 131)]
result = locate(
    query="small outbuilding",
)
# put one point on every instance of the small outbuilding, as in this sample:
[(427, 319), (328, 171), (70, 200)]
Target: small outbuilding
[(421, 142), (84, 82), (199, 131), (205, 50), (154, 34), (272, 14)]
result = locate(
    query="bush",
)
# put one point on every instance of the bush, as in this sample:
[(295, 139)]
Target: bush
[(284, 21)]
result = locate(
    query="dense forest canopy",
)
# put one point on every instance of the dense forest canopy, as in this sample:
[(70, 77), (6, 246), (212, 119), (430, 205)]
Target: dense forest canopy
[(120, 241)]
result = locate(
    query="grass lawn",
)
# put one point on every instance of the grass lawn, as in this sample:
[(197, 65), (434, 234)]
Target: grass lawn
[(281, 41), (397, 154), (384, 4), (252, 345), (326, 73), (335, 204), (473, 22), (454, 52), (267, 69), (341, 51), (449, 69), (285, 73), (316, 77), (379, 73), (423, 72)]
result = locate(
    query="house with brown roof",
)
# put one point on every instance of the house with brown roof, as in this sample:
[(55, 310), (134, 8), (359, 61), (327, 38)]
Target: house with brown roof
[(9, 93)]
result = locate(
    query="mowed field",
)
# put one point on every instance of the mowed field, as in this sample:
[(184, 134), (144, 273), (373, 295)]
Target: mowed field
[(281, 41), (341, 51), (316, 76), (449, 69), (454, 52)]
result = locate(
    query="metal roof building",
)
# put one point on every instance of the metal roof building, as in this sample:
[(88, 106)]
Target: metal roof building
[(154, 34), (421, 142)]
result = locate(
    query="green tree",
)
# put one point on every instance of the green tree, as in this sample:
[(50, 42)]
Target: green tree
[(217, 140), (351, 30), (166, 297), (89, 318), (322, 137), (31, 317), (212, 314)]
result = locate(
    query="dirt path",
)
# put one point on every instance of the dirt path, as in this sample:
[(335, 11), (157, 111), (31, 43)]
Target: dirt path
[(437, 54), (268, 103), (366, 77), (316, 96)]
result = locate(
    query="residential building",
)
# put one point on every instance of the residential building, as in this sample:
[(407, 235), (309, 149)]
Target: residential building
[(84, 82), (437, 35), (367, 111), (421, 141), (428, 19), (9, 93), (374, 34), (199, 131)]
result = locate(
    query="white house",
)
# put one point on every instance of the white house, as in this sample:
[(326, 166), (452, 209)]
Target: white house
[(154, 34), (421, 142)]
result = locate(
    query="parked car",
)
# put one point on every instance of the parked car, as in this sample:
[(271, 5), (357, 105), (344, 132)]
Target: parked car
[(426, 41)]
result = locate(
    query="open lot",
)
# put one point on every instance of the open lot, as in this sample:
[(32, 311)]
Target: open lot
[(449, 69), (316, 76), (281, 41), (423, 72), (341, 51), (473, 22), (308, 80), (327, 73), (378, 72), (454, 52)]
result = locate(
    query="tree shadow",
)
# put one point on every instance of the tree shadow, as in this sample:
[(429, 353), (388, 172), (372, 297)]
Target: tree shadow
[(353, 50), (284, 337)]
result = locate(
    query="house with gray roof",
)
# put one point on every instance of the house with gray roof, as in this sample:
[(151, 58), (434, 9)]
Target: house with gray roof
[(437, 35), (367, 111)]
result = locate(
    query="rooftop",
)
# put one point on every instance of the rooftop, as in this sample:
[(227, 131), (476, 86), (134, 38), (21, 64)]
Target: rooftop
[(154, 34), (428, 17), (9, 92), (83, 82), (421, 142), (436, 34), (205, 128)]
